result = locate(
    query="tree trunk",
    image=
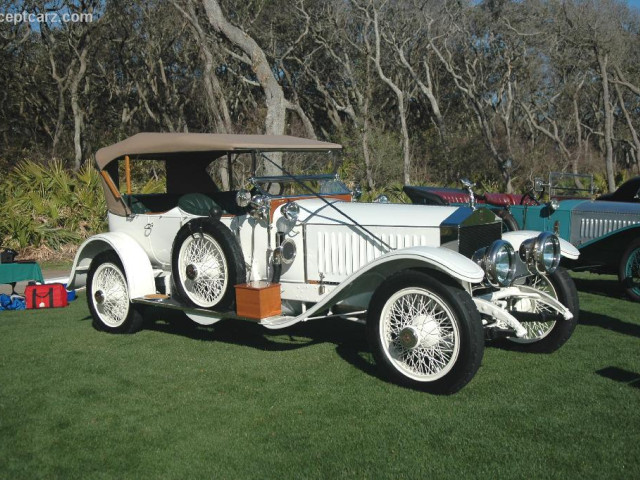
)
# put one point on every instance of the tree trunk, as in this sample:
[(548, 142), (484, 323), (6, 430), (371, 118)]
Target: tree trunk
[(274, 96), (365, 127), (634, 134), (59, 121), (78, 115), (576, 114), (406, 162), (216, 102), (608, 121)]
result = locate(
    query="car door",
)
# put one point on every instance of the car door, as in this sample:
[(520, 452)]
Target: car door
[(159, 231)]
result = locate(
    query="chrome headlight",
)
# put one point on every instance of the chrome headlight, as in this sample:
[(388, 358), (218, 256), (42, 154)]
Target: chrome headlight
[(498, 262), (290, 211), (259, 206), (542, 253), (285, 253), (356, 193), (243, 198)]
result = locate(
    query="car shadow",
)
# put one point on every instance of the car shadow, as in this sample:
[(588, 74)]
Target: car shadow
[(609, 323), (621, 375), (349, 338), (604, 286), (346, 335)]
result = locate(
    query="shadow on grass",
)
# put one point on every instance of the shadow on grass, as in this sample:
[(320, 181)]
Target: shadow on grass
[(348, 337), (607, 286), (246, 333), (631, 379), (609, 323)]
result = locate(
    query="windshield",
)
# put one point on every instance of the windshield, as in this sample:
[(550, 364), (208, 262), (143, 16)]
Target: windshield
[(289, 173), (570, 185)]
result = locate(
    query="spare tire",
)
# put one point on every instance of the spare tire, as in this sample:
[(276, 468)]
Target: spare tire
[(206, 263)]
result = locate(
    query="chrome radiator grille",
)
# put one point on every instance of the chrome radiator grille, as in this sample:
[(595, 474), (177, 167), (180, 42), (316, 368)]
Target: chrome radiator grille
[(473, 237)]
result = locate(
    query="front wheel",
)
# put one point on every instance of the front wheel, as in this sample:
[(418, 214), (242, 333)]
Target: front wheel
[(629, 271), (425, 333), (108, 296), (548, 336)]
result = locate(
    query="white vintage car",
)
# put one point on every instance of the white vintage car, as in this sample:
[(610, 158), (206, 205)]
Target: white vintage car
[(430, 283)]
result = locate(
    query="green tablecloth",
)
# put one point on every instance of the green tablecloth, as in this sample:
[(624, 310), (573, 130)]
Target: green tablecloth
[(16, 272)]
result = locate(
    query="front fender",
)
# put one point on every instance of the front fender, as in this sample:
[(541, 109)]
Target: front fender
[(356, 290), (137, 266), (517, 237)]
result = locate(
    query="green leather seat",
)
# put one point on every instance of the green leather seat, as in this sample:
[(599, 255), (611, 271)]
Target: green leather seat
[(198, 204)]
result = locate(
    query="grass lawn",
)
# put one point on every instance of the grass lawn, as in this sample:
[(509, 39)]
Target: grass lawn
[(238, 401)]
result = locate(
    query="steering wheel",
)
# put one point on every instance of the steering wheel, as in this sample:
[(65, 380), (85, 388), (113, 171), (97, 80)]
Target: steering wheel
[(530, 194)]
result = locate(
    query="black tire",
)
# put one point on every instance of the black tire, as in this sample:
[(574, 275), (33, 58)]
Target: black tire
[(509, 223), (460, 321), (207, 288), (629, 270), (554, 334), (108, 296)]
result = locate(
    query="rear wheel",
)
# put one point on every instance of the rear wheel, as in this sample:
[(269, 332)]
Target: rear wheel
[(108, 296), (547, 337), (629, 271), (425, 333)]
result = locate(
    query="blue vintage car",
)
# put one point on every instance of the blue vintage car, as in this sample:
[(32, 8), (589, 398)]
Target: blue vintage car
[(607, 233)]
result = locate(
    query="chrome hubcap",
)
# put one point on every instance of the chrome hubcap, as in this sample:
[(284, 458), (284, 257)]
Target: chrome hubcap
[(409, 337), (99, 296), (192, 271)]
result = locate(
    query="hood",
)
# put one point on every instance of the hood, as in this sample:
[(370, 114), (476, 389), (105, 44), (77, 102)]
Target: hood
[(316, 212), (604, 208)]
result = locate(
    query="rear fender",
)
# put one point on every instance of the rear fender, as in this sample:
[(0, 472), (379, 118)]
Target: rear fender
[(135, 261)]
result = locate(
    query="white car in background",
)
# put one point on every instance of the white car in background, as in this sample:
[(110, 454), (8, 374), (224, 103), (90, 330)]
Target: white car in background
[(430, 283)]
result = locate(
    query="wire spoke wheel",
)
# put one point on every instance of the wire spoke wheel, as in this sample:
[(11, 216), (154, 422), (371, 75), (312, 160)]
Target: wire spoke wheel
[(425, 332), (549, 336), (632, 271), (536, 330), (206, 263), (110, 295), (419, 334), (203, 270)]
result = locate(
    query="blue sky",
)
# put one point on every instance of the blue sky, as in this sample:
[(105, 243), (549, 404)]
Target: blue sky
[(634, 3)]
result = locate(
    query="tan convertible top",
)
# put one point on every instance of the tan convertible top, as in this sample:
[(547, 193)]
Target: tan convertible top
[(146, 144), (185, 147)]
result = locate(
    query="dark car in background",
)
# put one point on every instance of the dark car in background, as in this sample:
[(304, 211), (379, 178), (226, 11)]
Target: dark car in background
[(606, 230)]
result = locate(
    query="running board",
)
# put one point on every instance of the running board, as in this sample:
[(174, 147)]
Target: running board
[(169, 302), (206, 316)]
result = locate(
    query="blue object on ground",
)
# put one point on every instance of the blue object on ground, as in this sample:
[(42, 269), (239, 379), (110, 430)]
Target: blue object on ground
[(13, 302), (71, 294)]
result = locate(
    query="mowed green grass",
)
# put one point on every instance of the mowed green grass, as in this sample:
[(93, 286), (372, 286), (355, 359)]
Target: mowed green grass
[(238, 401)]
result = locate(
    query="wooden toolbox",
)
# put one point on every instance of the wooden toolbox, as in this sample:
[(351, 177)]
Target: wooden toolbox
[(258, 300)]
